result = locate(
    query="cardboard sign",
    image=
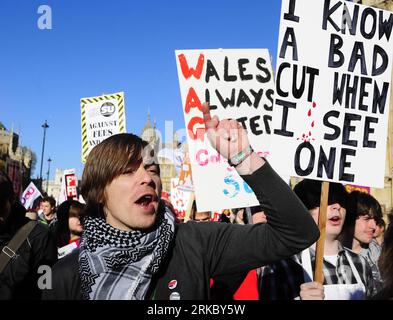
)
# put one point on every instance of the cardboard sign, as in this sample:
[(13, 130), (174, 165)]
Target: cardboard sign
[(71, 182), (238, 84), (332, 95), (69, 186), (180, 198), (102, 117), (29, 195)]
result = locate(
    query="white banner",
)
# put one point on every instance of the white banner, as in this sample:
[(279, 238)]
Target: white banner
[(238, 84), (333, 77), (29, 195)]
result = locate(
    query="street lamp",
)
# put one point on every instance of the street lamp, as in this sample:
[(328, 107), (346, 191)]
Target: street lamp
[(47, 175), (45, 126)]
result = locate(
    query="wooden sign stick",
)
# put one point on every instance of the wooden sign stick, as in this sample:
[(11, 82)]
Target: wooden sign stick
[(189, 207), (319, 252)]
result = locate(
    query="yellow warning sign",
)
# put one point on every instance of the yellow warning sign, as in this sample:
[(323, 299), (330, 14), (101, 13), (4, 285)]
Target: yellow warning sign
[(101, 117)]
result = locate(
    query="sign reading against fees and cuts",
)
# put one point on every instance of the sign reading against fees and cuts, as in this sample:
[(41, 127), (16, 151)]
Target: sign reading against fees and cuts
[(238, 84), (102, 117), (333, 82)]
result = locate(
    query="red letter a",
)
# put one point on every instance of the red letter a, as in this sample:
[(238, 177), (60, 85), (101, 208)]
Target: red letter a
[(192, 101), (188, 72)]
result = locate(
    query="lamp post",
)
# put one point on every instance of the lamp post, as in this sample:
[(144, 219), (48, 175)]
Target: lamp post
[(47, 174), (45, 126)]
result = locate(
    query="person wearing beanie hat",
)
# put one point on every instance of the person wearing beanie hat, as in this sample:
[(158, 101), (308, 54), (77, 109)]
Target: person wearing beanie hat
[(347, 276)]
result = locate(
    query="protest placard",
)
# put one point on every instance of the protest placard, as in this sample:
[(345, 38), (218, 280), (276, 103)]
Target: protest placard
[(69, 186), (101, 117), (180, 198), (238, 84), (332, 94), (29, 195)]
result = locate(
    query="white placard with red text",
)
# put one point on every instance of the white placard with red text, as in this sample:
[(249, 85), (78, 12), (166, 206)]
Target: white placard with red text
[(180, 198), (238, 84)]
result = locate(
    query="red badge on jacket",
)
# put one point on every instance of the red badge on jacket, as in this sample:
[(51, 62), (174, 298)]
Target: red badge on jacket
[(172, 284)]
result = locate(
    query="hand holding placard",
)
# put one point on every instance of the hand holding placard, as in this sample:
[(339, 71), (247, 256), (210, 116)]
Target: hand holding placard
[(312, 291)]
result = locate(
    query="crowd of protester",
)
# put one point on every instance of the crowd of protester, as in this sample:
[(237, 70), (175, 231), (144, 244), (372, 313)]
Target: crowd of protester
[(127, 243)]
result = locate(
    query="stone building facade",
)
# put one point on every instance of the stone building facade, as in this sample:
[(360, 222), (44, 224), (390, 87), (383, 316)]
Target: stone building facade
[(15, 159), (167, 167)]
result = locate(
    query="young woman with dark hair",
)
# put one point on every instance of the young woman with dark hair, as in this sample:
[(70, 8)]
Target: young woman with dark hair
[(69, 228)]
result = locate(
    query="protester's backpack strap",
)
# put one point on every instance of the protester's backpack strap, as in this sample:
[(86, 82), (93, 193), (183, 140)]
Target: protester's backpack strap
[(9, 251)]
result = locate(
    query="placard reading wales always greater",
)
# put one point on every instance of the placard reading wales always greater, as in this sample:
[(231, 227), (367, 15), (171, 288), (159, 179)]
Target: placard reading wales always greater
[(238, 84), (332, 94)]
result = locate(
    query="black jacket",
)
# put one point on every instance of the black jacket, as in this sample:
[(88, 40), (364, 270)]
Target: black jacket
[(20, 276), (202, 251)]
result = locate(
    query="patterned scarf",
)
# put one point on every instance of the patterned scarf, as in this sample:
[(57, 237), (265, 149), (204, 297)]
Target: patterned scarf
[(119, 265)]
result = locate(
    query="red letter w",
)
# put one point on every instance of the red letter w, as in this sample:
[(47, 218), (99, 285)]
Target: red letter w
[(188, 72)]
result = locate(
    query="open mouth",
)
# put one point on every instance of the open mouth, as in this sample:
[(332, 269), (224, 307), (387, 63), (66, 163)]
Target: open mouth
[(146, 200), (335, 220)]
